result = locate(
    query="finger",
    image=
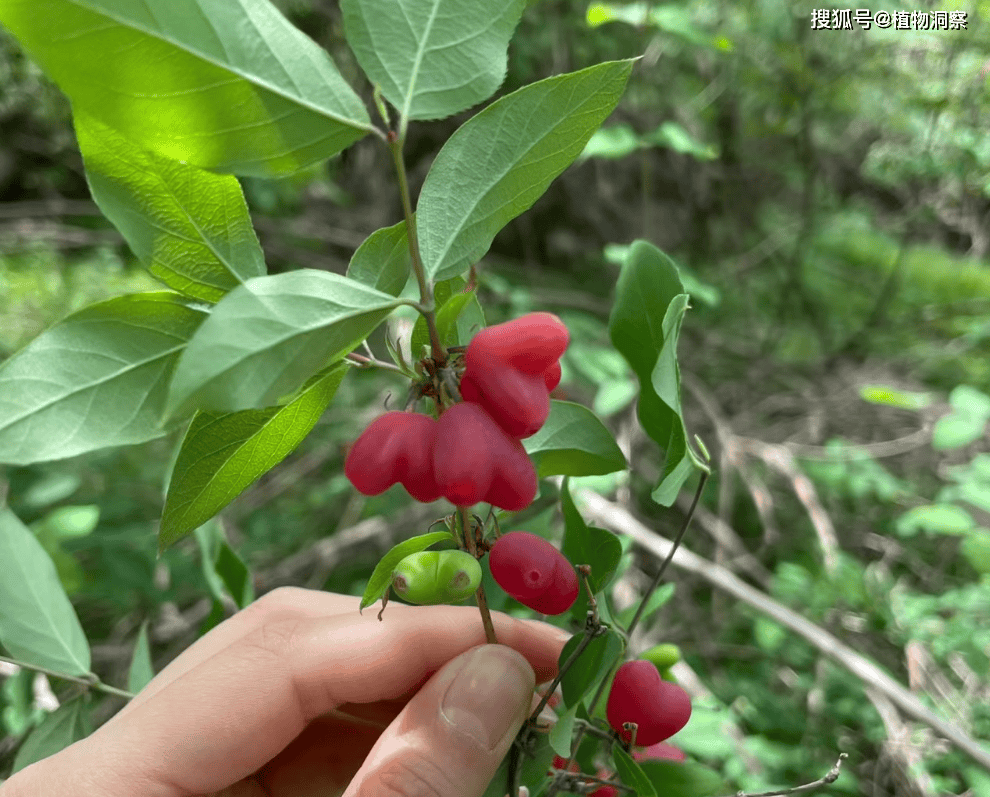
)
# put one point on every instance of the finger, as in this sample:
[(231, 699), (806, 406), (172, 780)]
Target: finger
[(287, 603), (451, 737), (229, 713)]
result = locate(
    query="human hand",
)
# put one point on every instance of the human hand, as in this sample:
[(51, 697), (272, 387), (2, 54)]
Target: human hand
[(299, 695)]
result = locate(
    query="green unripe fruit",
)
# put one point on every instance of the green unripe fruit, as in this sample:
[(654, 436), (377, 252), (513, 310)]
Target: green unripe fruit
[(663, 656), (431, 577), (667, 675)]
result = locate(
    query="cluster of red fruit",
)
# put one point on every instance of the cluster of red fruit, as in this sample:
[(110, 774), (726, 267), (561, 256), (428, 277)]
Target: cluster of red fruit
[(473, 452)]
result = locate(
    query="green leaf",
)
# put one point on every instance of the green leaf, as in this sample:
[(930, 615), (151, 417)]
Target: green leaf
[(96, 380), (573, 442), (591, 666), (190, 228), (431, 58), (976, 548), (631, 774), (142, 670), (894, 397), (64, 726), (502, 160), (561, 735), (266, 337), (223, 569), (223, 453), (382, 261), (229, 86), (649, 306), (584, 544), (381, 578), (50, 489), (70, 521), (459, 316), (956, 430), (675, 137), (662, 594), (683, 778), (936, 518), (613, 142), (37, 623)]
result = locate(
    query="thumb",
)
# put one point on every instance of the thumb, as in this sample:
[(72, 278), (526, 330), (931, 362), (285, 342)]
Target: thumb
[(450, 738)]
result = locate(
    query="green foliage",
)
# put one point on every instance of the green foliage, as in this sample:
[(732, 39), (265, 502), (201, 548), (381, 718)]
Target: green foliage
[(245, 91), (447, 55), (537, 131)]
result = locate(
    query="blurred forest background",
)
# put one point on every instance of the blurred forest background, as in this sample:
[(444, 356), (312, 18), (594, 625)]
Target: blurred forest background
[(826, 194)]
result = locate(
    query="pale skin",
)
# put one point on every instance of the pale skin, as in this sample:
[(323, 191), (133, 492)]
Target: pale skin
[(298, 695)]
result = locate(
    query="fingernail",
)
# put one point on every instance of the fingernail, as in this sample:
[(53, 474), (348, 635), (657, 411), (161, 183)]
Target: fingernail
[(486, 696)]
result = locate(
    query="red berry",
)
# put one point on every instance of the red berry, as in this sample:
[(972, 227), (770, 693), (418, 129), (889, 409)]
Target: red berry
[(519, 402), (475, 460), (605, 791), (533, 572), (396, 447), (559, 761), (640, 695), (511, 368), (661, 751), (530, 344)]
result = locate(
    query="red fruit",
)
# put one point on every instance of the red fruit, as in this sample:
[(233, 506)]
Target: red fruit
[(559, 761), (519, 402), (661, 751), (511, 368), (475, 460), (640, 695), (530, 344), (533, 572), (396, 447), (605, 791)]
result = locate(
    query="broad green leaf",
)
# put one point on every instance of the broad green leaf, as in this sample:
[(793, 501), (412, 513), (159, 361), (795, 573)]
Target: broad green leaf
[(50, 489), (683, 778), (573, 442), (268, 336), (969, 400), (223, 453), (502, 160), (66, 725), (382, 261), (631, 774), (936, 518), (189, 227), (381, 578), (37, 623), (591, 666), (96, 380), (230, 86), (431, 58), (956, 430), (646, 318)]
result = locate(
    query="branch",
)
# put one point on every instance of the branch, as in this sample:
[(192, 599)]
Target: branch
[(620, 520)]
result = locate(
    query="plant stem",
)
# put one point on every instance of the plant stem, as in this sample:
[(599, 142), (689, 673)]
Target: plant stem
[(93, 681), (368, 362), (427, 303), (663, 566), (479, 595)]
